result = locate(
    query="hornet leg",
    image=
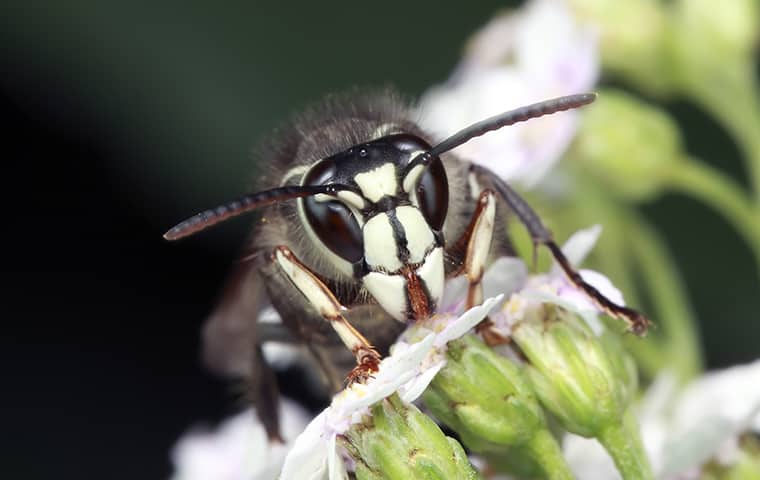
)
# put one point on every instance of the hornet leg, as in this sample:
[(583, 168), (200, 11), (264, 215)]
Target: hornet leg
[(318, 295), (476, 243), (637, 323)]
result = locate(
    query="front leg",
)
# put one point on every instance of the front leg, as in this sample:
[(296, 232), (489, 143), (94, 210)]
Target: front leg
[(637, 323), (324, 301), (475, 243)]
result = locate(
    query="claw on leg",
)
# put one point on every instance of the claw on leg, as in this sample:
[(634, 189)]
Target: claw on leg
[(368, 363)]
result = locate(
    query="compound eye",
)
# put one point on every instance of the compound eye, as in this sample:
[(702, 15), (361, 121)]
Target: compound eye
[(330, 220), (409, 143), (433, 194), (336, 228)]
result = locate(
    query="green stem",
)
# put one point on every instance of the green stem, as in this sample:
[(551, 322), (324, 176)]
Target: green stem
[(545, 451), (730, 93), (666, 291), (700, 181), (623, 443)]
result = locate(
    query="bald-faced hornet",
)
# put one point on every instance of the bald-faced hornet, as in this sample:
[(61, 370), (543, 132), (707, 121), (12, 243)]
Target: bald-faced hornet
[(363, 218)]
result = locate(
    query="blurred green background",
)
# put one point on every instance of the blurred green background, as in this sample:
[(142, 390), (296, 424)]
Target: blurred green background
[(163, 103)]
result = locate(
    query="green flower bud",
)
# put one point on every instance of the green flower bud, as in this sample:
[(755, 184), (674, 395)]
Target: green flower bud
[(632, 36), (707, 35), (630, 147), (586, 381), (573, 372), (485, 394), (488, 401), (399, 442)]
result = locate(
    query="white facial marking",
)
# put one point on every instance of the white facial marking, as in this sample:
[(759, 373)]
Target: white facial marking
[(352, 199), (432, 273), (419, 237), (389, 291), (380, 248), (378, 183), (410, 181)]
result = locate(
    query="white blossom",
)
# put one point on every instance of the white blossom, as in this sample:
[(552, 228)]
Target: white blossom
[(238, 449), (554, 287), (529, 55), (683, 428), (411, 366)]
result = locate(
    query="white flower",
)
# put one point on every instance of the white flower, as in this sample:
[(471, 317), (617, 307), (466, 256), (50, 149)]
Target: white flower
[(535, 53), (411, 366), (683, 429), (238, 449), (554, 287)]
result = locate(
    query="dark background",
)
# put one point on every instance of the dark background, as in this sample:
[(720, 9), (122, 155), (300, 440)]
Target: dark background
[(120, 120)]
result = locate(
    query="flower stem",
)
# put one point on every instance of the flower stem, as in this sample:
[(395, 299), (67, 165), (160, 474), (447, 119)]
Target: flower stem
[(666, 291), (723, 194), (623, 443), (545, 451)]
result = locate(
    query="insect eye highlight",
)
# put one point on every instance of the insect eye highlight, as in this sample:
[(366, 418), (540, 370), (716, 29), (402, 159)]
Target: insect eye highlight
[(331, 221), (433, 194), (336, 228)]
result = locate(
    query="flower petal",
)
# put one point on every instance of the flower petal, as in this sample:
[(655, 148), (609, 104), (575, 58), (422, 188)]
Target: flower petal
[(587, 458), (309, 455), (335, 465), (413, 389), (238, 449), (539, 51), (466, 321), (505, 276), (395, 370), (454, 293), (709, 412), (571, 300)]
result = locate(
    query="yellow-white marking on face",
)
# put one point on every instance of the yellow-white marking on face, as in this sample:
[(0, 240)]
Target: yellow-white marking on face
[(378, 183), (410, 181), (432, 273), (380, 248), (352, 199), (389, 291), (419, 237)]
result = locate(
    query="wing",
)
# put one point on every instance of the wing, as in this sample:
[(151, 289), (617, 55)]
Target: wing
[(229, 334), (232, 339)]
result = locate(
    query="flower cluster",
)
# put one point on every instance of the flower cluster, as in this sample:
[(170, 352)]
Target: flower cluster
[(548, 387)]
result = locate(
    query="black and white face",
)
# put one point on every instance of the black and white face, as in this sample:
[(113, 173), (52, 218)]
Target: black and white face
[(386, 229)]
